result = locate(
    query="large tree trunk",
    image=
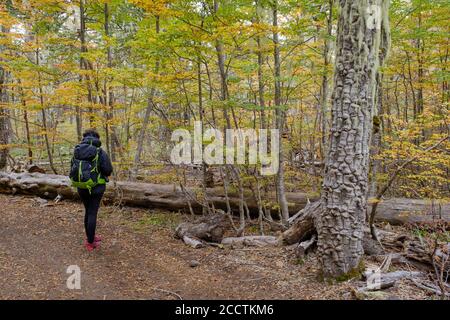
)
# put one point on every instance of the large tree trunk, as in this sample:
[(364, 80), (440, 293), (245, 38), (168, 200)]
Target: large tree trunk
[(340, 215)]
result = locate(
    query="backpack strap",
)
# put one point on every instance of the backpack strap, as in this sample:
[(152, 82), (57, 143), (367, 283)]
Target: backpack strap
[(100, 179), (97, 156)]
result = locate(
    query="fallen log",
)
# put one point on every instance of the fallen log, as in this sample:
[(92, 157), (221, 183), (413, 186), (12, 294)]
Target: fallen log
[(379, 281), (401, 211), (209, 228), (395, 211), (172, 197), (391, 276), (148, 195), (193, 243), (431, 288), (302, 225)]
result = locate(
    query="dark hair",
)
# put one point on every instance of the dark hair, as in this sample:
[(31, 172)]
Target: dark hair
[(91, 133)]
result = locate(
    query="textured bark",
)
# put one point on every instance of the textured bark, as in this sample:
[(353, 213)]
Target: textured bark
[(207, 175), (78, 111), (340, 218)]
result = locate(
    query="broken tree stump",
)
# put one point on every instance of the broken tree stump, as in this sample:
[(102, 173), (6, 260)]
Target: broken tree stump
[(209, 228)]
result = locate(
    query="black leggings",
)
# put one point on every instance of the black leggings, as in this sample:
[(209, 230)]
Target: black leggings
[(91, 204)]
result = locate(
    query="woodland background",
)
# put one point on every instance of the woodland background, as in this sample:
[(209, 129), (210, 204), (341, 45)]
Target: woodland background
[(136, 70)]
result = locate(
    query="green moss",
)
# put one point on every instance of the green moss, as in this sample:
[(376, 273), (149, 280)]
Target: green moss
[(421, 233), (299, 261), (161, 220), (254, 229), (354, 273)]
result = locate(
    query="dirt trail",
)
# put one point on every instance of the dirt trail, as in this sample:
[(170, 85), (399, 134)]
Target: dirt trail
[(139, 259)]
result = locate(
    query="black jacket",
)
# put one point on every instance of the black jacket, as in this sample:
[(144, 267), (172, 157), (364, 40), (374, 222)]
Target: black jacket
[(86, 150)]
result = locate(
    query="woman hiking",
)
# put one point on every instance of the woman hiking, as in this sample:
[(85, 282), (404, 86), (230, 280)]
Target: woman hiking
[(90, 169)]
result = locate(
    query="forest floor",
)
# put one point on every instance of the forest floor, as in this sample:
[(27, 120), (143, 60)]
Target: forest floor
[(140, 259)]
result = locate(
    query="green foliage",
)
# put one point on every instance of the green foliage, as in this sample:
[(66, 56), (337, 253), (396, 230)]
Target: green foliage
[(136, 61)]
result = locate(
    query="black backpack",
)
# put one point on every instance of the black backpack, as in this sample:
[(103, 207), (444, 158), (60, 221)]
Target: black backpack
[(84, 169)]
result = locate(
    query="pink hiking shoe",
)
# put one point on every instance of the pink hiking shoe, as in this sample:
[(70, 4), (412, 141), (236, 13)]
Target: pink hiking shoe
[(90, 246)]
